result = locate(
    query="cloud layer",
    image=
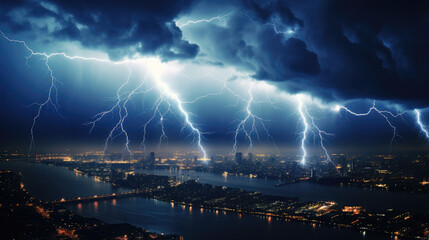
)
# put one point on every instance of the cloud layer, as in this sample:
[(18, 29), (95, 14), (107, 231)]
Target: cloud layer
[(122, 28), (333, 49)]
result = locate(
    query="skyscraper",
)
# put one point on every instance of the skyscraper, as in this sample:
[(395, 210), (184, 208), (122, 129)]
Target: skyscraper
[(152, 159), (239, 157)]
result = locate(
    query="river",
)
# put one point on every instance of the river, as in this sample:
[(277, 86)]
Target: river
[(371, 199), (48, 182)]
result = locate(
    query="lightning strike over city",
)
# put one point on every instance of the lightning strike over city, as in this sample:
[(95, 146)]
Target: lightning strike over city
[(170, 120), (423, 127), (121, 101), (385, 114)]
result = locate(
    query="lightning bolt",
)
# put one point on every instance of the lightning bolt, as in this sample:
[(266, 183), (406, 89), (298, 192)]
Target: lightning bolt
[(287, 32), (304, 132), (220, 18), (420, 123), (252, 119), (166, 90), (248, 125), (306, 118), (121, 99), (53, 90), (382, 113), (120, 123), (321, 134), (249, 117)]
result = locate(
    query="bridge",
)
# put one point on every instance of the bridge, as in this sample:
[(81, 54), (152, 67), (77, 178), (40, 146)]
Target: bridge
[(100, 197)]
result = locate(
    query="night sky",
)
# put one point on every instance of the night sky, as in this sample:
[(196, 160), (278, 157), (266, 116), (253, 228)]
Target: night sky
[(222, 60)]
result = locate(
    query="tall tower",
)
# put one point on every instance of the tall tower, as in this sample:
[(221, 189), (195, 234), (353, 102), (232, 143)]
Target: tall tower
[(152, 159), (239, 157)]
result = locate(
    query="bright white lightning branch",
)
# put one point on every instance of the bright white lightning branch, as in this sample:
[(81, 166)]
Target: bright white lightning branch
[(320, 133), (122, 112), (304, 114), (304, 132), (156, 111), (420, 123), (249, 117), (162, 87), (287, 32), (220, 18), (383, 113), (253, 119), (166, 90)]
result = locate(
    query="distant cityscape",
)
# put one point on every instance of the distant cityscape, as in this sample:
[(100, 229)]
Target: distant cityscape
[(402, 172), (407, 172)]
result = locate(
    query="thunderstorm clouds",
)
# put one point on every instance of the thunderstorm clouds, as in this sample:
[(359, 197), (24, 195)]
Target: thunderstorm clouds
[(215, 75)]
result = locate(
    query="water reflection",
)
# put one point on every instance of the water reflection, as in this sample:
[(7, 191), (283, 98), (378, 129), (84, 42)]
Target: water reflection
[(165, 217), (212, 224), (311, 192), (95, 206), (49, 183)]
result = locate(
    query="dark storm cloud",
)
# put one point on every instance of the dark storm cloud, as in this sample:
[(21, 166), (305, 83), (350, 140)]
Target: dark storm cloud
[(336, 50), (333, 49), (374, 49), (119, 27)]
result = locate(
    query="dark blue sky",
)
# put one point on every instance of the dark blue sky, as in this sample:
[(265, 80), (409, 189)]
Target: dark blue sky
[(278, 53)]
